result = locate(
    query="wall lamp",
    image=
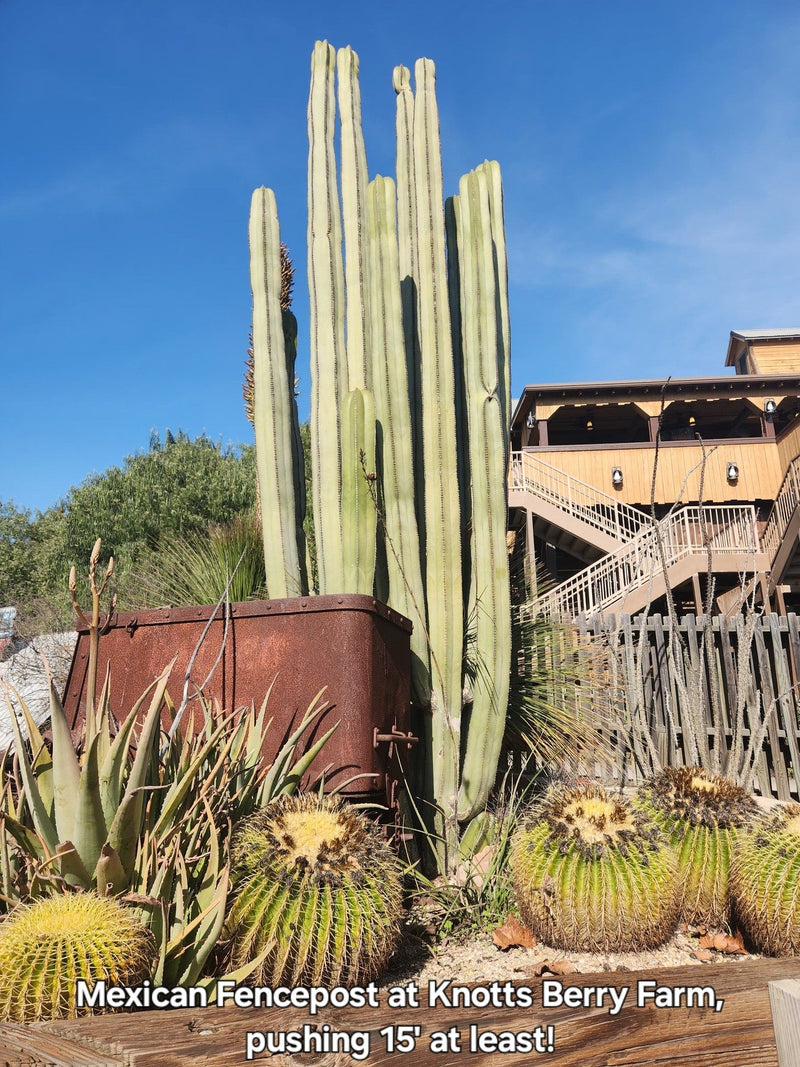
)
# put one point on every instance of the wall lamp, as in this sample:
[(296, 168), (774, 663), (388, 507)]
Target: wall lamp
[(530, 422), (616, 477), (770, 407), (732, 472)]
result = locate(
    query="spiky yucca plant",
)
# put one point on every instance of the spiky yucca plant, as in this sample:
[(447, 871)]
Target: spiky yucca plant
[(46, 947), (702, 814), (765, 883), (592, 874), (313, 879)]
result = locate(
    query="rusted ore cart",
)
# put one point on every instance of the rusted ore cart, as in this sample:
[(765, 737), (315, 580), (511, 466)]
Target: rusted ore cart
[(353, 647)]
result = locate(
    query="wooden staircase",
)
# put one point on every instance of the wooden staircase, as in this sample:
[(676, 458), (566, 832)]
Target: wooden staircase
[(640, 559)]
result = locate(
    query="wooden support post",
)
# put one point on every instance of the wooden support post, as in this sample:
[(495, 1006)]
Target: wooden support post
[(530, 555), (698, 594), (784, 999)]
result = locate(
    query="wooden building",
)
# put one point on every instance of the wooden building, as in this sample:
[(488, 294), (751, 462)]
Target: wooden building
[(716, 462)]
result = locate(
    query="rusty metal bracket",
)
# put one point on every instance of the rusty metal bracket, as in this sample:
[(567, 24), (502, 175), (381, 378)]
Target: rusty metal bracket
[(395, 736)]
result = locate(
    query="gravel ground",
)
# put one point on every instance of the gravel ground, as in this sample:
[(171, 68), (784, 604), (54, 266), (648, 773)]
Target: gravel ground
[(479, 960)]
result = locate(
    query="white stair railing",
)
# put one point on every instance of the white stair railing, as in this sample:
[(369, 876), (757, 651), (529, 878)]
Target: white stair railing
[(576, 498), (786, 501), (729, 529)]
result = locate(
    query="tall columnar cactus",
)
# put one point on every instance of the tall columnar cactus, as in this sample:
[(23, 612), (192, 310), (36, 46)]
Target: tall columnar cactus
[(413, 312), (48, 946), (484, 371), (278, 454), (329, 377), (702, 814), (591, 874)]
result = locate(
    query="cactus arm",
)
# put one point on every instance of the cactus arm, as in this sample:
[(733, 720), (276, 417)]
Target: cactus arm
[(490, 580), (495, 184), (326, 307), (406, 592), (298, 458), (273, 395), (355, 180), (406, 246), (442, 506), (358, 500)]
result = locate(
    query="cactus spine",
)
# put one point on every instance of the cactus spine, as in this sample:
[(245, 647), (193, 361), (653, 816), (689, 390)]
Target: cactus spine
[(394, 316)]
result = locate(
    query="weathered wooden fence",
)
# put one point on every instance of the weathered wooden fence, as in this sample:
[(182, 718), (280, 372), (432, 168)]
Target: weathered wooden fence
[(726, 688)]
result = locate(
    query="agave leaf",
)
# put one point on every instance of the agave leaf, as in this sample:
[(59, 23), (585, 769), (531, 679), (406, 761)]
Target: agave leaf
[(291, 780), (66, 769), (126, 826), (89, 831), (282, 759), (71, 867), (40, 814), (112, 771), (42, 761), (195, 941), (239, 976), (180, 788), (102, 716), (28, 840)]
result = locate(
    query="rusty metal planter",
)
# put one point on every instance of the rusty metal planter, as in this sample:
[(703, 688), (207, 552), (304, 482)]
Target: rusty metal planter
[(353, 645)]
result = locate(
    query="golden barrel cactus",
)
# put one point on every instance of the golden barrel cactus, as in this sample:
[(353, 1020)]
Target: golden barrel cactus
[(46, 947), (592, 874), (765, 883), (314, 879), (702, 814)]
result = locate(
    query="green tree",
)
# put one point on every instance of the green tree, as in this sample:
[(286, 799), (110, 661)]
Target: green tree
[(177, 487), (16, 536)]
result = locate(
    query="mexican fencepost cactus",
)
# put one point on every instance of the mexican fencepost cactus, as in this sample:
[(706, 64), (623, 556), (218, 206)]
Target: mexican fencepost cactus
[(355, 179), (326, 307), (358, 474), (405, 587), (488, 436), (279, 455), (415, 315)]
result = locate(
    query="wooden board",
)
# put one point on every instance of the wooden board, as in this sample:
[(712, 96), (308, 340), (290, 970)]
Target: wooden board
[(739, 1034)]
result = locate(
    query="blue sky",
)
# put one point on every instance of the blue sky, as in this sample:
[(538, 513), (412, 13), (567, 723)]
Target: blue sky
[(649, 151)]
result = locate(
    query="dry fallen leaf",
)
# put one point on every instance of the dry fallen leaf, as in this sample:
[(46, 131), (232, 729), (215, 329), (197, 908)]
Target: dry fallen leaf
[(705, 955), (512, 934), (552, 967), (724, 943)]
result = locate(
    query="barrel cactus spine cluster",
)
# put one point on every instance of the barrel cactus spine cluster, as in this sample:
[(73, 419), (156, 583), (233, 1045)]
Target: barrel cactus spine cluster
[(410, 397)]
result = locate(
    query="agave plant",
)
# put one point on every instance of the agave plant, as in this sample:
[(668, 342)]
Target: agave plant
[(129, 818)]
